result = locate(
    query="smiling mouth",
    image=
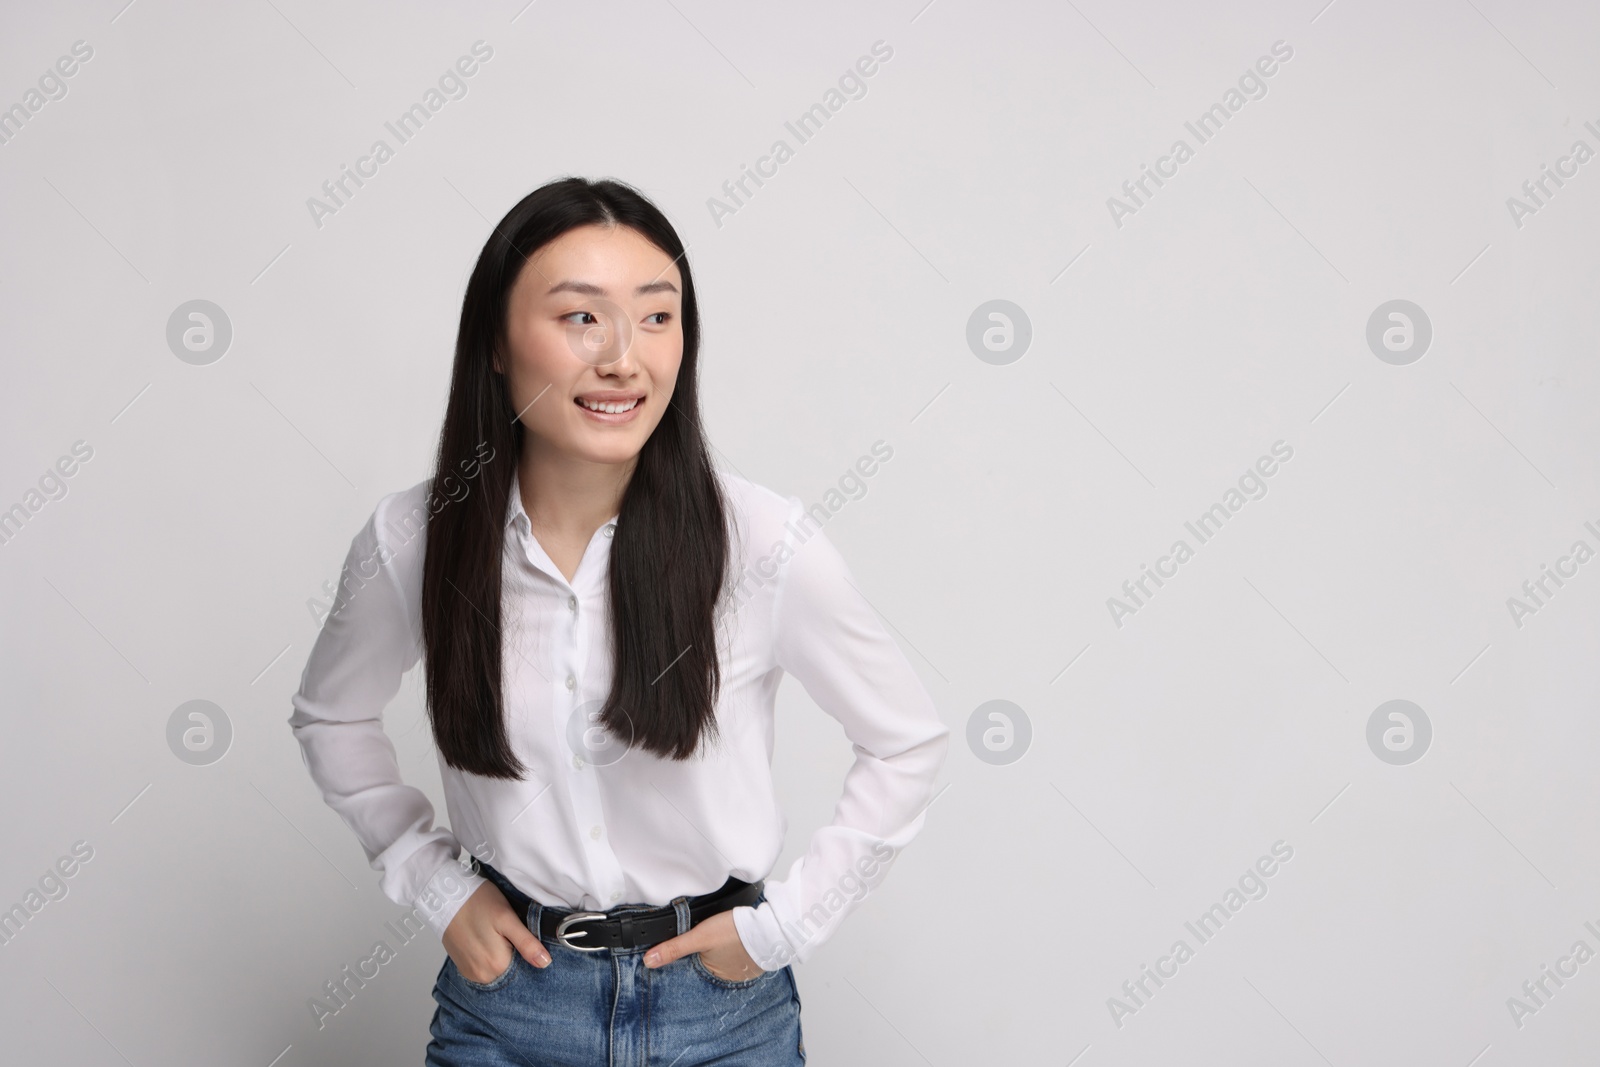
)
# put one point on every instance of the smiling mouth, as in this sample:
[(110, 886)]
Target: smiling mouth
[(611, 408)]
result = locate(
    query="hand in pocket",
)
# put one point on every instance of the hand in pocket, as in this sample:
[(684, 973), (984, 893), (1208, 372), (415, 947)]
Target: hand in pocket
[(717, 941), (484, 935)]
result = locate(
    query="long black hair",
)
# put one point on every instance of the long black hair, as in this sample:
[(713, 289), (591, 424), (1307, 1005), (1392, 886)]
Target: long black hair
[(670, 551)]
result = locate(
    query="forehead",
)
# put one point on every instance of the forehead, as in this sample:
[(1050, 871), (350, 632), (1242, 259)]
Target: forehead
[(615, 259)]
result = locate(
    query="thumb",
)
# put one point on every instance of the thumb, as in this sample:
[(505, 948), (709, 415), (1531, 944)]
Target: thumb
[(525, 942), (673, 948)]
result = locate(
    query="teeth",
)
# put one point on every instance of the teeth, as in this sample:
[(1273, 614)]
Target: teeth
[(613, 409)]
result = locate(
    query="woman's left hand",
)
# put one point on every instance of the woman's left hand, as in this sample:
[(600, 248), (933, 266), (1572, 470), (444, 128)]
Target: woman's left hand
[(717, 941)]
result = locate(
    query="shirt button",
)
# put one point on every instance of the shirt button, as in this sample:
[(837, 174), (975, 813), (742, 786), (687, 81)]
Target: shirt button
[(577, 763), (617, 895), (572, 602), (594, 832), (611, 528), (572, 683)]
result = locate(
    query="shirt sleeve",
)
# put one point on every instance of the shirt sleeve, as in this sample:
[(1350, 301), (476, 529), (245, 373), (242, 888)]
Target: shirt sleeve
[(365, 646), (829, 637)]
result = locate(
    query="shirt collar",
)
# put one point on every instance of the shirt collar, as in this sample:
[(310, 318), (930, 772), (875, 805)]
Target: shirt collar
[(515, 515)]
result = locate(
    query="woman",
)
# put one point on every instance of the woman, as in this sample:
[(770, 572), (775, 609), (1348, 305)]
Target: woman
[(605, 618)]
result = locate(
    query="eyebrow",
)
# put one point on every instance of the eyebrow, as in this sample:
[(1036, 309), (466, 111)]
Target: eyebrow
[(590, 289)]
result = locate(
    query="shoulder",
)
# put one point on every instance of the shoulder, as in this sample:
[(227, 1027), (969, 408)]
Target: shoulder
[(400, 521), (750, 497), (397, 534), (760, 518)]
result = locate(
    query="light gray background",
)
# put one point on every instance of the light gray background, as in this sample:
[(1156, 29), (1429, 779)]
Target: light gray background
[(1167, 355)]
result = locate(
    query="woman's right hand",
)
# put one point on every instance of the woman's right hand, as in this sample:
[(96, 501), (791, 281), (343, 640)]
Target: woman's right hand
[(478, 935)]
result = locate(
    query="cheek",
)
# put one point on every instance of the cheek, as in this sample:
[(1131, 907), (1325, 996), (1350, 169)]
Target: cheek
[(534, 337), (664, 368), (668, 381), (537, 360), (543, 351)]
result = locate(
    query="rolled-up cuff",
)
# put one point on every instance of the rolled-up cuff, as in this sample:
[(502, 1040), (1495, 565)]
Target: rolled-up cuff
[(762, 936)]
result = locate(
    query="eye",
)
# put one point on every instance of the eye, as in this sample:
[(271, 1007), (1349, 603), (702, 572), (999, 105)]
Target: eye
[(662, 315), (572, 313)]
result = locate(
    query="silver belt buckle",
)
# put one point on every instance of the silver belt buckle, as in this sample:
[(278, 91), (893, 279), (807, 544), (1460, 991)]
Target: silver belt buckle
[(579, 916)]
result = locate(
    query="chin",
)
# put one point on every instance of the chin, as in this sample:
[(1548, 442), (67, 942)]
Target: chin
[(615, 454)]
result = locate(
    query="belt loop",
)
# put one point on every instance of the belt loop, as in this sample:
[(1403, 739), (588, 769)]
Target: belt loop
[(680, 905), (533, 918)]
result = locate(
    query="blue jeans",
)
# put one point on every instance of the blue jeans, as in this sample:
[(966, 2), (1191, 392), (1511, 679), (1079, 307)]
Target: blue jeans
[(607, 1009)]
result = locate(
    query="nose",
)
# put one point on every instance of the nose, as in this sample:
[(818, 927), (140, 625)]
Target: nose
[(617, 356)]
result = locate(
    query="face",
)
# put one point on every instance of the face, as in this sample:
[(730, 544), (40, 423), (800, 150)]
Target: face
[(594, 341)]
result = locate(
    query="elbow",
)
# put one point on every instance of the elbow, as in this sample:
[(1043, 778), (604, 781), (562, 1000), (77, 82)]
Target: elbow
[(939, 751), (938, 735), (929, 750), (941, 743), (301, 714)]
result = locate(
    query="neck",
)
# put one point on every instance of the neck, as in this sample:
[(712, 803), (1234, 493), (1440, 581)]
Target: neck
[(567, 496)]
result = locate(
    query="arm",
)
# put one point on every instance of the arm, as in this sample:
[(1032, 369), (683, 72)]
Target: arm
[(365, 646), (828, 636)]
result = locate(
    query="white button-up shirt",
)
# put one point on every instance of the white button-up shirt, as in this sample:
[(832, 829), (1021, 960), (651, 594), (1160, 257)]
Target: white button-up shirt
[(597, 823)]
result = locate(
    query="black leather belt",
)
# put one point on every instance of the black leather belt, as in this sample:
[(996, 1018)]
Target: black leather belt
[(595, 931)]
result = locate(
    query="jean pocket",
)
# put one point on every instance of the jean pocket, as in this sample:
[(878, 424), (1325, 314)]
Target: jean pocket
[(499, 981), (727, 983)]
